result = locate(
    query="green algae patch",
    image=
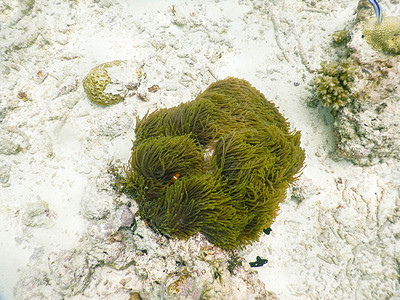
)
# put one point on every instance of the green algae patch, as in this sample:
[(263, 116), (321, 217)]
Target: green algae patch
[(383, 37), (219, 165)]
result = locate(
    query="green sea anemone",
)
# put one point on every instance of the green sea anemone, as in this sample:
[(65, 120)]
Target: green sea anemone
[(219, 165)]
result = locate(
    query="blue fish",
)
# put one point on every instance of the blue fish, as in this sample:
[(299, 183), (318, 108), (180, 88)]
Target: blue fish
[(378, 10)]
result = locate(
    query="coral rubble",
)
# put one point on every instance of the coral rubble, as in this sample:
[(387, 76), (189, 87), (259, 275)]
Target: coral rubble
[(119, 257)]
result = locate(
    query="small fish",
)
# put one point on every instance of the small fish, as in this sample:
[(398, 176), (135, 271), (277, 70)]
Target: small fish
[(378, 10), (259, 262), (267, 231), (171, 181), (175, 177)]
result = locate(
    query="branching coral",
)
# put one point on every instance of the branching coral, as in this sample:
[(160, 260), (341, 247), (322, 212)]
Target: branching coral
[(219, 165), (333, 84), (341, 37)]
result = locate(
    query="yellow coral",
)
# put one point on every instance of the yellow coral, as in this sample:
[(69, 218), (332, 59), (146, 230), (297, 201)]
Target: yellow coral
[(333, 85), (385, 36), (97, 80)]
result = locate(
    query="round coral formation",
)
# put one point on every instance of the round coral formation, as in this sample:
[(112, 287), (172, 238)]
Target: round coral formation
[(385, 36), (95, 84), (219, 165)]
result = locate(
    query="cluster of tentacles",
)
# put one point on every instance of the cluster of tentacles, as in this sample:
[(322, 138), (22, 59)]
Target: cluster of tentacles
[(219, 165)]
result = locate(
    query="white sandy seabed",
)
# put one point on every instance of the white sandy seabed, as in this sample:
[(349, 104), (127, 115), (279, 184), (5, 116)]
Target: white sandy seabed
[(339, 239)]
